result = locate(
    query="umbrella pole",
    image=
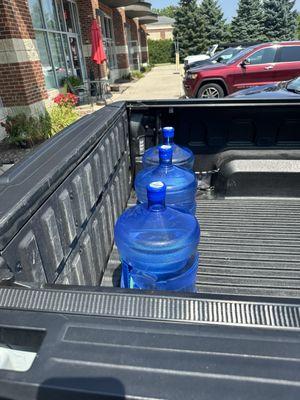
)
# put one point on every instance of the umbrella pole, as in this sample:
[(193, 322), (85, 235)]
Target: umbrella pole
[(98, 101), (99, 77), (101, 99)]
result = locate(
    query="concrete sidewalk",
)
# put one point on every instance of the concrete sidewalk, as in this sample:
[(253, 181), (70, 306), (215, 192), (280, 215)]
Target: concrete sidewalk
[(162, 82)]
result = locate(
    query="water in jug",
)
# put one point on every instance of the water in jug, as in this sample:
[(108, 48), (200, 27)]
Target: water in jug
[(182, 156), (158, 245), (181, 183)]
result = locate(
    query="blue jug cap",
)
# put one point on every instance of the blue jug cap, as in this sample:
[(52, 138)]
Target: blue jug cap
[(156, 192), (165, 153), (168, 132)]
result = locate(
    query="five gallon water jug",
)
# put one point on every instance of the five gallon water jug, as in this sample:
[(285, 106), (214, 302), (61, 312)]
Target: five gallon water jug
[(182, 156), (181, 183), (158, 245)]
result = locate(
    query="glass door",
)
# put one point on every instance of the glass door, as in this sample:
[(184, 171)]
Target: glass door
[(76, 58), (73, 44)]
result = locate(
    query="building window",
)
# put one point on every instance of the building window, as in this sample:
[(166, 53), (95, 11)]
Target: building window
[(58, 38), (36, 13), (133, 49), (45, 60), (48, 7), (108, 40)]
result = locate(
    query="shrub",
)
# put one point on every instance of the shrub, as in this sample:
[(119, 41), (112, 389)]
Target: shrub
[(137, 74), (61, 117), (145, 68), (25, 131), (73, 80), (161, 51), (127, 77), (66, 100)]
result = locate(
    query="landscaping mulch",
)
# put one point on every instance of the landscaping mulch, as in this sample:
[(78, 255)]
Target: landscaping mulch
[(11, 155)]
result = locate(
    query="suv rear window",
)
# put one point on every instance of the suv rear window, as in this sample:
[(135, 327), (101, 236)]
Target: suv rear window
[(289, 53)]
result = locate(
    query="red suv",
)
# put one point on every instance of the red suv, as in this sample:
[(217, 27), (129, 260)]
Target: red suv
[(256, 65)]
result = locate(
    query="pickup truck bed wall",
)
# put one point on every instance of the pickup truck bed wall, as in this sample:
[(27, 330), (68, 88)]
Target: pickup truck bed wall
[(235, 339), (58, 207)]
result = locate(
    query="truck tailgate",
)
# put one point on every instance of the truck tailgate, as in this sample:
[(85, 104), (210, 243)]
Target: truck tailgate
[(102, 345)]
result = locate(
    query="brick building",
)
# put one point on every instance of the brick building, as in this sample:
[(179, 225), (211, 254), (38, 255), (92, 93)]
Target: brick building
[(43, 41), (161, 29)]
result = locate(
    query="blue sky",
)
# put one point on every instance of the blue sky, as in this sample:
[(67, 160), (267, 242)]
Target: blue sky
[(229, 6)]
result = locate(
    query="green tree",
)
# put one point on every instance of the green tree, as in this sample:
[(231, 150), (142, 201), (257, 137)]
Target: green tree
[(228, 31), (214, 22), (248, 25), (298, 26), (280, 19), (189, 28), (161, 51), (168, 11)]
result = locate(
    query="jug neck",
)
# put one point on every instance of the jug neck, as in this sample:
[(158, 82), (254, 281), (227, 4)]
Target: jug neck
[(166, 163), (156, 193), (168, 141), (168, 134), (165, 155), (156, 206)]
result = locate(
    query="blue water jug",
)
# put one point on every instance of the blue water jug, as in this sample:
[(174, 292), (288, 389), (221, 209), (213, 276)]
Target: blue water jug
[(181, 183), (158, 245), (182, 156)]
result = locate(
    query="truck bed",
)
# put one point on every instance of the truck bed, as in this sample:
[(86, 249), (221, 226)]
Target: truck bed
[(249, 247), (236, 338)]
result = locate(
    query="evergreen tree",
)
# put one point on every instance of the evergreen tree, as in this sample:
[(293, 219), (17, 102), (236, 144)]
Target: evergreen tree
[(214, 22), (189, 28), (168, 11), (228, 36), (248, 26), (280, 20)]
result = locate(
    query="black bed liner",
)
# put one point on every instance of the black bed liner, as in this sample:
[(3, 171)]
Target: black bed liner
[(249, 247)]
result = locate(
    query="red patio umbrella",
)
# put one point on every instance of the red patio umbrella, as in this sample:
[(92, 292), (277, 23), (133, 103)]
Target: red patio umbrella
[(98, 53)]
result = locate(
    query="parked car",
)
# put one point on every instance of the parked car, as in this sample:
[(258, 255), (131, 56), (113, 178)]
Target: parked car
[(254, 66), (220, 57), (285, 89), (201, 57)]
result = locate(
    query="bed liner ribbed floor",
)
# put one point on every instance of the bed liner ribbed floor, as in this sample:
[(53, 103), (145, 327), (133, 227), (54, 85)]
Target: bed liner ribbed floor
[(248, 247)]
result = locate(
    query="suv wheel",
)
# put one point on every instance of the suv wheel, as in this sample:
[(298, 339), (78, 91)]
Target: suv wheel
[(211, 91)]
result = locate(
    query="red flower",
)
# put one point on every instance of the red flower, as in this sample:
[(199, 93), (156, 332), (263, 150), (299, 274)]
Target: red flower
[(66, 100)]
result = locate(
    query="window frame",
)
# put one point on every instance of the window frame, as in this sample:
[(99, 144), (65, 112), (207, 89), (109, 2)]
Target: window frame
[(109, 42), (63, 33)]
